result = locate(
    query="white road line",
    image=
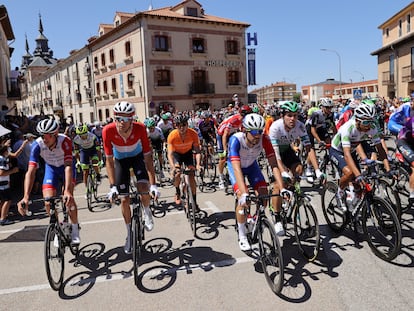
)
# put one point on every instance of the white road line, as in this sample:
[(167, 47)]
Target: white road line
[(116, 277), (212, 206)]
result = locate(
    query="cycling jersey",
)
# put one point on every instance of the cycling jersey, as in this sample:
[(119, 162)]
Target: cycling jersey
[(239, 151), (349, 136), (57, 157), (232, 123), (399, 117), (319, 120), (156, 134), (179, 145), (90, 142), (282, 138), (206, 128), (166, 128), (344, 118), (118, 147)]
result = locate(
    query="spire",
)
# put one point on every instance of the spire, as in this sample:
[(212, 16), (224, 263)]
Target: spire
[(27, 44), (40, 24)]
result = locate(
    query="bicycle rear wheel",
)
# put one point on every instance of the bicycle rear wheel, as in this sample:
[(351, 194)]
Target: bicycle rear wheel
[(271, 256), (389, 194), (54, 257), (210, 169), (136, 227), (383, 230), (335, 216), (306, 228), (191, 210), (89, 191)]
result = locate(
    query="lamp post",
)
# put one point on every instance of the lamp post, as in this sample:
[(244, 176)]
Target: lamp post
[(360, 74), (340, 70)]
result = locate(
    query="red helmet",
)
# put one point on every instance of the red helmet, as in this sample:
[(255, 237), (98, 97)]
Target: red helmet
[(245, 109)]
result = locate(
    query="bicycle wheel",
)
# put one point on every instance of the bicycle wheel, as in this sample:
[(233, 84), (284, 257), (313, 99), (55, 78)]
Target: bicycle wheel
[(383, 230), (210, 169), (191, 210), (200, 179), (136, 245), (402, 187), (95, 186), (385, 191), (89, 191), (271, 256), (335, 216), (54, 257), (306, 228)]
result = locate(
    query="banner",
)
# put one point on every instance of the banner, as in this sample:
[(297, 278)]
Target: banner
[(251, 65)]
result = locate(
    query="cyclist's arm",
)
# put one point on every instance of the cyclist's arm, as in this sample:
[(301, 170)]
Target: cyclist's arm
[(383, 156), (238, 174), (350, 161), (110, 169), (28, 182), (149, 164), (224, 138), (68, 193), (315, 133)]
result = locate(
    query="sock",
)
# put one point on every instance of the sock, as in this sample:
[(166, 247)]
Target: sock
[(242, 229), (128, 227), (318, 173), (147, 211), (412, 193)]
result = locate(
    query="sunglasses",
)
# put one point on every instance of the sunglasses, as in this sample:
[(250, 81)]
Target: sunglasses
[(366, 122), (123, 119), (255, 132), (182, 125)]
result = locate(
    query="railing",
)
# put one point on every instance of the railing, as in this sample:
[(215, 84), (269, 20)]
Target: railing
[(407, 74), (387, 78), (200, 88)]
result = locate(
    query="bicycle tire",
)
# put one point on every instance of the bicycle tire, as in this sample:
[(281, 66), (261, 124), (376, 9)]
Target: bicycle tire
[(200, 179), (379, 222), (89, 192), (95, 186), (335, 216), (402, 186), (136, 245), (54, 258), (271, 256), (389, 194), (210, 169), (307, 232), (191, 210)]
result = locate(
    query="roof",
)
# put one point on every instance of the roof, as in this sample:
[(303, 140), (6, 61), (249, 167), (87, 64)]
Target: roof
[(5, 23)]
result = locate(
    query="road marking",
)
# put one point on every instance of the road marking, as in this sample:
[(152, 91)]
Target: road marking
[(116, 277), (212, 206)]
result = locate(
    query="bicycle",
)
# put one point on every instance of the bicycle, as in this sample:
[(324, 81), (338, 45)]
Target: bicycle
[(187, 195), (379, 222), (91, 186), (261, 230), (57, 238), (305, 221), (208, 169)]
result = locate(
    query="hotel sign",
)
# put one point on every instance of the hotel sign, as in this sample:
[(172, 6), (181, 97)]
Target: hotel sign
[(224, 63)]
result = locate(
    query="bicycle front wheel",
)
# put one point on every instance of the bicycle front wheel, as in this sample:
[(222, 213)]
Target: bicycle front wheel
[(136, 245), (335, 216), (89, 192), (191, 211), (271, 256), (306, 228), (54, 257), (382, 228)]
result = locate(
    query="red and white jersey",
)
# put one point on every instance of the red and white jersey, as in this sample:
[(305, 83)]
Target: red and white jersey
[(232, 123)]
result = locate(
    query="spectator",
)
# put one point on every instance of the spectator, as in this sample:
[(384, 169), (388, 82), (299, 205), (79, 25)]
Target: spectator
[(5, 192)]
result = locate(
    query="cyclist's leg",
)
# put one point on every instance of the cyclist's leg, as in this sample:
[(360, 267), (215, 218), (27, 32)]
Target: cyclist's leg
[(143, 186), (407, 151), (84, 160), (176, 175), (188, 161)]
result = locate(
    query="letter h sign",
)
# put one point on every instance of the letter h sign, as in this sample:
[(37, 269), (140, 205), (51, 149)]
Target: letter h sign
[(250, 38)]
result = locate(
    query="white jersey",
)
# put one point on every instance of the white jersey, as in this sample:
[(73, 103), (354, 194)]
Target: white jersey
[(165, 127), (349, 136), (88, 143), (156, 134)]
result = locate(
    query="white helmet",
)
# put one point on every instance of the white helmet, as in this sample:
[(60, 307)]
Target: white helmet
[(253, 121), (47, 126), (365, 112), (124, 107), (326, 102)]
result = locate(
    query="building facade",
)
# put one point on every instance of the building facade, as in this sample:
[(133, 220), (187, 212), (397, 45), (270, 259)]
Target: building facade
[(276, 92), (396, 56), (170, 59)]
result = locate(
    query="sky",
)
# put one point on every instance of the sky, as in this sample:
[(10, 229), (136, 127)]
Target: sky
[(290, 34)]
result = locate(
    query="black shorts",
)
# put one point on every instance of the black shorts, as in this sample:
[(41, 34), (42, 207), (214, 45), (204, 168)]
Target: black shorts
[(289, 158), (186, 158), (156, 144), (5, 195), (322, 133), (122, 173)]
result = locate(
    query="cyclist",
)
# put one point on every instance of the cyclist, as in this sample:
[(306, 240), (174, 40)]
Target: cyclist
[(283, 132), (347, 114), (405, 144), (181, 142), (401, 115), (126, 147), (55, 150), (87, 149), (207, 130), (157, 138), (346, 145), (97, 130), (244, 150), (165, 124), (228, 127), (318, 125)]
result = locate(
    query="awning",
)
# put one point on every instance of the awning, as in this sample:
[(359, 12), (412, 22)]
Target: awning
[(4, 131)]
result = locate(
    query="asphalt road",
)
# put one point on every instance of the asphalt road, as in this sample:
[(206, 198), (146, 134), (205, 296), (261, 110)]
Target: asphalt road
[(204, 273)]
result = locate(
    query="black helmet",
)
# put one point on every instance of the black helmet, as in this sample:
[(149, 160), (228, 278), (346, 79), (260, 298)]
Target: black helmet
[(180, 119)]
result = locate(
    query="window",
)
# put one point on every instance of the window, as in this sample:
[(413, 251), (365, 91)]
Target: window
[(192, 12), (98, 88), (105, 87), (161, 43), (387, 32), (113, 84), (95, 62), (408, 23), (232, 47), (400, 28), (80, 118), (127, 48), (103, 60), (163, 77), (198, 46), (130, 79), (233, 77), (91, 116), (392, 67), (111, 56)]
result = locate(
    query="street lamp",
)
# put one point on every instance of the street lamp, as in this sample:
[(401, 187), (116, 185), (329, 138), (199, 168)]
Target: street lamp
[(360, 74), (340, 71)]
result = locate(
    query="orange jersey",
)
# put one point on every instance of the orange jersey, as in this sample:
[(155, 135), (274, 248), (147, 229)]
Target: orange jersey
[(176, 144), (267, 126)]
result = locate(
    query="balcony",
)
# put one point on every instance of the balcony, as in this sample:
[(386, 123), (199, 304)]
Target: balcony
[(128, 59), (407, 74), (388, 78), (112, 65), (201, 88)]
